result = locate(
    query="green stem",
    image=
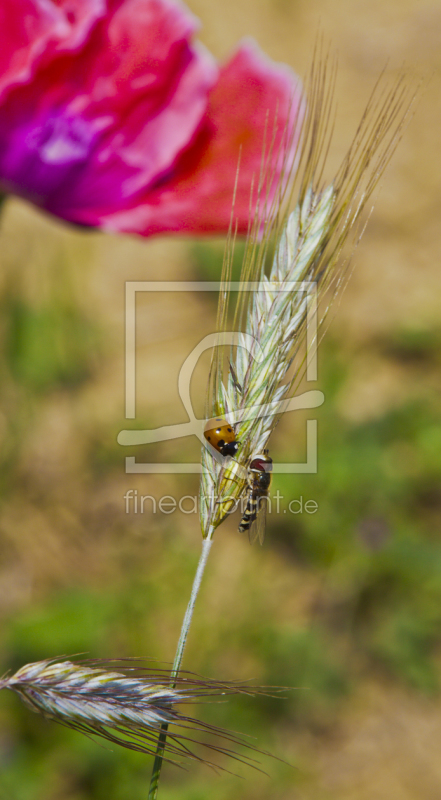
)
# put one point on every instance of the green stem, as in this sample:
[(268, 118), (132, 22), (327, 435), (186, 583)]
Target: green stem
[(157, 766)]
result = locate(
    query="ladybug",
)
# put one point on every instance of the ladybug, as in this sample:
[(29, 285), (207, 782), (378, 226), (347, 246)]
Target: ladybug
[(221, 436)]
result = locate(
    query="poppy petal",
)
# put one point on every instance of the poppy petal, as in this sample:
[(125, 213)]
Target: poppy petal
[(252, 93)]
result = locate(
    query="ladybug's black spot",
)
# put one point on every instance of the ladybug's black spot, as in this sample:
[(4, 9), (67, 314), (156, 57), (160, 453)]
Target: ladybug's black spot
[(209, 438), (218, 430), (221, 443), (230, 430)]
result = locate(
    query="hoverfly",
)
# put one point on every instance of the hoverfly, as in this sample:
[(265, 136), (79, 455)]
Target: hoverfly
[(259, 480)]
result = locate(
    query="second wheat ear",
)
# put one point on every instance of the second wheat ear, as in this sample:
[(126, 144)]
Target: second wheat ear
[(126, 703)]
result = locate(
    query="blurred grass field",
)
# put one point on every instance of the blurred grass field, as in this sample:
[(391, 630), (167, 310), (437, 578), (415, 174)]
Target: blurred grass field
[(343, 604)]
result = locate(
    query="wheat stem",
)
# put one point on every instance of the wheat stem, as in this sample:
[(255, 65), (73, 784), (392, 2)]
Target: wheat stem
[(159, 755)]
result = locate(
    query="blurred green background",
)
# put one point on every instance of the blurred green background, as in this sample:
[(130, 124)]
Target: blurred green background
[(344, 604)]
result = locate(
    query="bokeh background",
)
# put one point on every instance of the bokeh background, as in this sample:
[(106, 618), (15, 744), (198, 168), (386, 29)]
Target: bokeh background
[(344, 604)]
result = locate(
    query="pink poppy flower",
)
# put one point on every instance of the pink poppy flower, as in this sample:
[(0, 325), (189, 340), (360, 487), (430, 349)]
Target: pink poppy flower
[(111, 116)]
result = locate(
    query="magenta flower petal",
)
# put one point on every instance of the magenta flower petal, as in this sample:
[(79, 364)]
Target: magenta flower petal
[(253, 93), (90, 128), (31, 31), (110, 116)]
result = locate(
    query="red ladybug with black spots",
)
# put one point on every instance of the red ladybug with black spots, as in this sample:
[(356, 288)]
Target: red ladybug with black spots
[(221, 436)]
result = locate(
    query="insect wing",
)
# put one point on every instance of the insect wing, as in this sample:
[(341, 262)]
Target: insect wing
[(258, 527)]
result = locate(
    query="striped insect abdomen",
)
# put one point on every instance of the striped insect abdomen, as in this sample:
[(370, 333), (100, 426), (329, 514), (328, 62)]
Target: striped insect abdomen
[(250, 512)]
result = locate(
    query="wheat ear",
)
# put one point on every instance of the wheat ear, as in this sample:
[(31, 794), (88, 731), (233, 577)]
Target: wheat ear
[(251, 382)]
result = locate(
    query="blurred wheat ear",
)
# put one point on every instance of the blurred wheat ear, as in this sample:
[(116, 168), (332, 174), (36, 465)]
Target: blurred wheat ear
[(128, 705), (292, 259)]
